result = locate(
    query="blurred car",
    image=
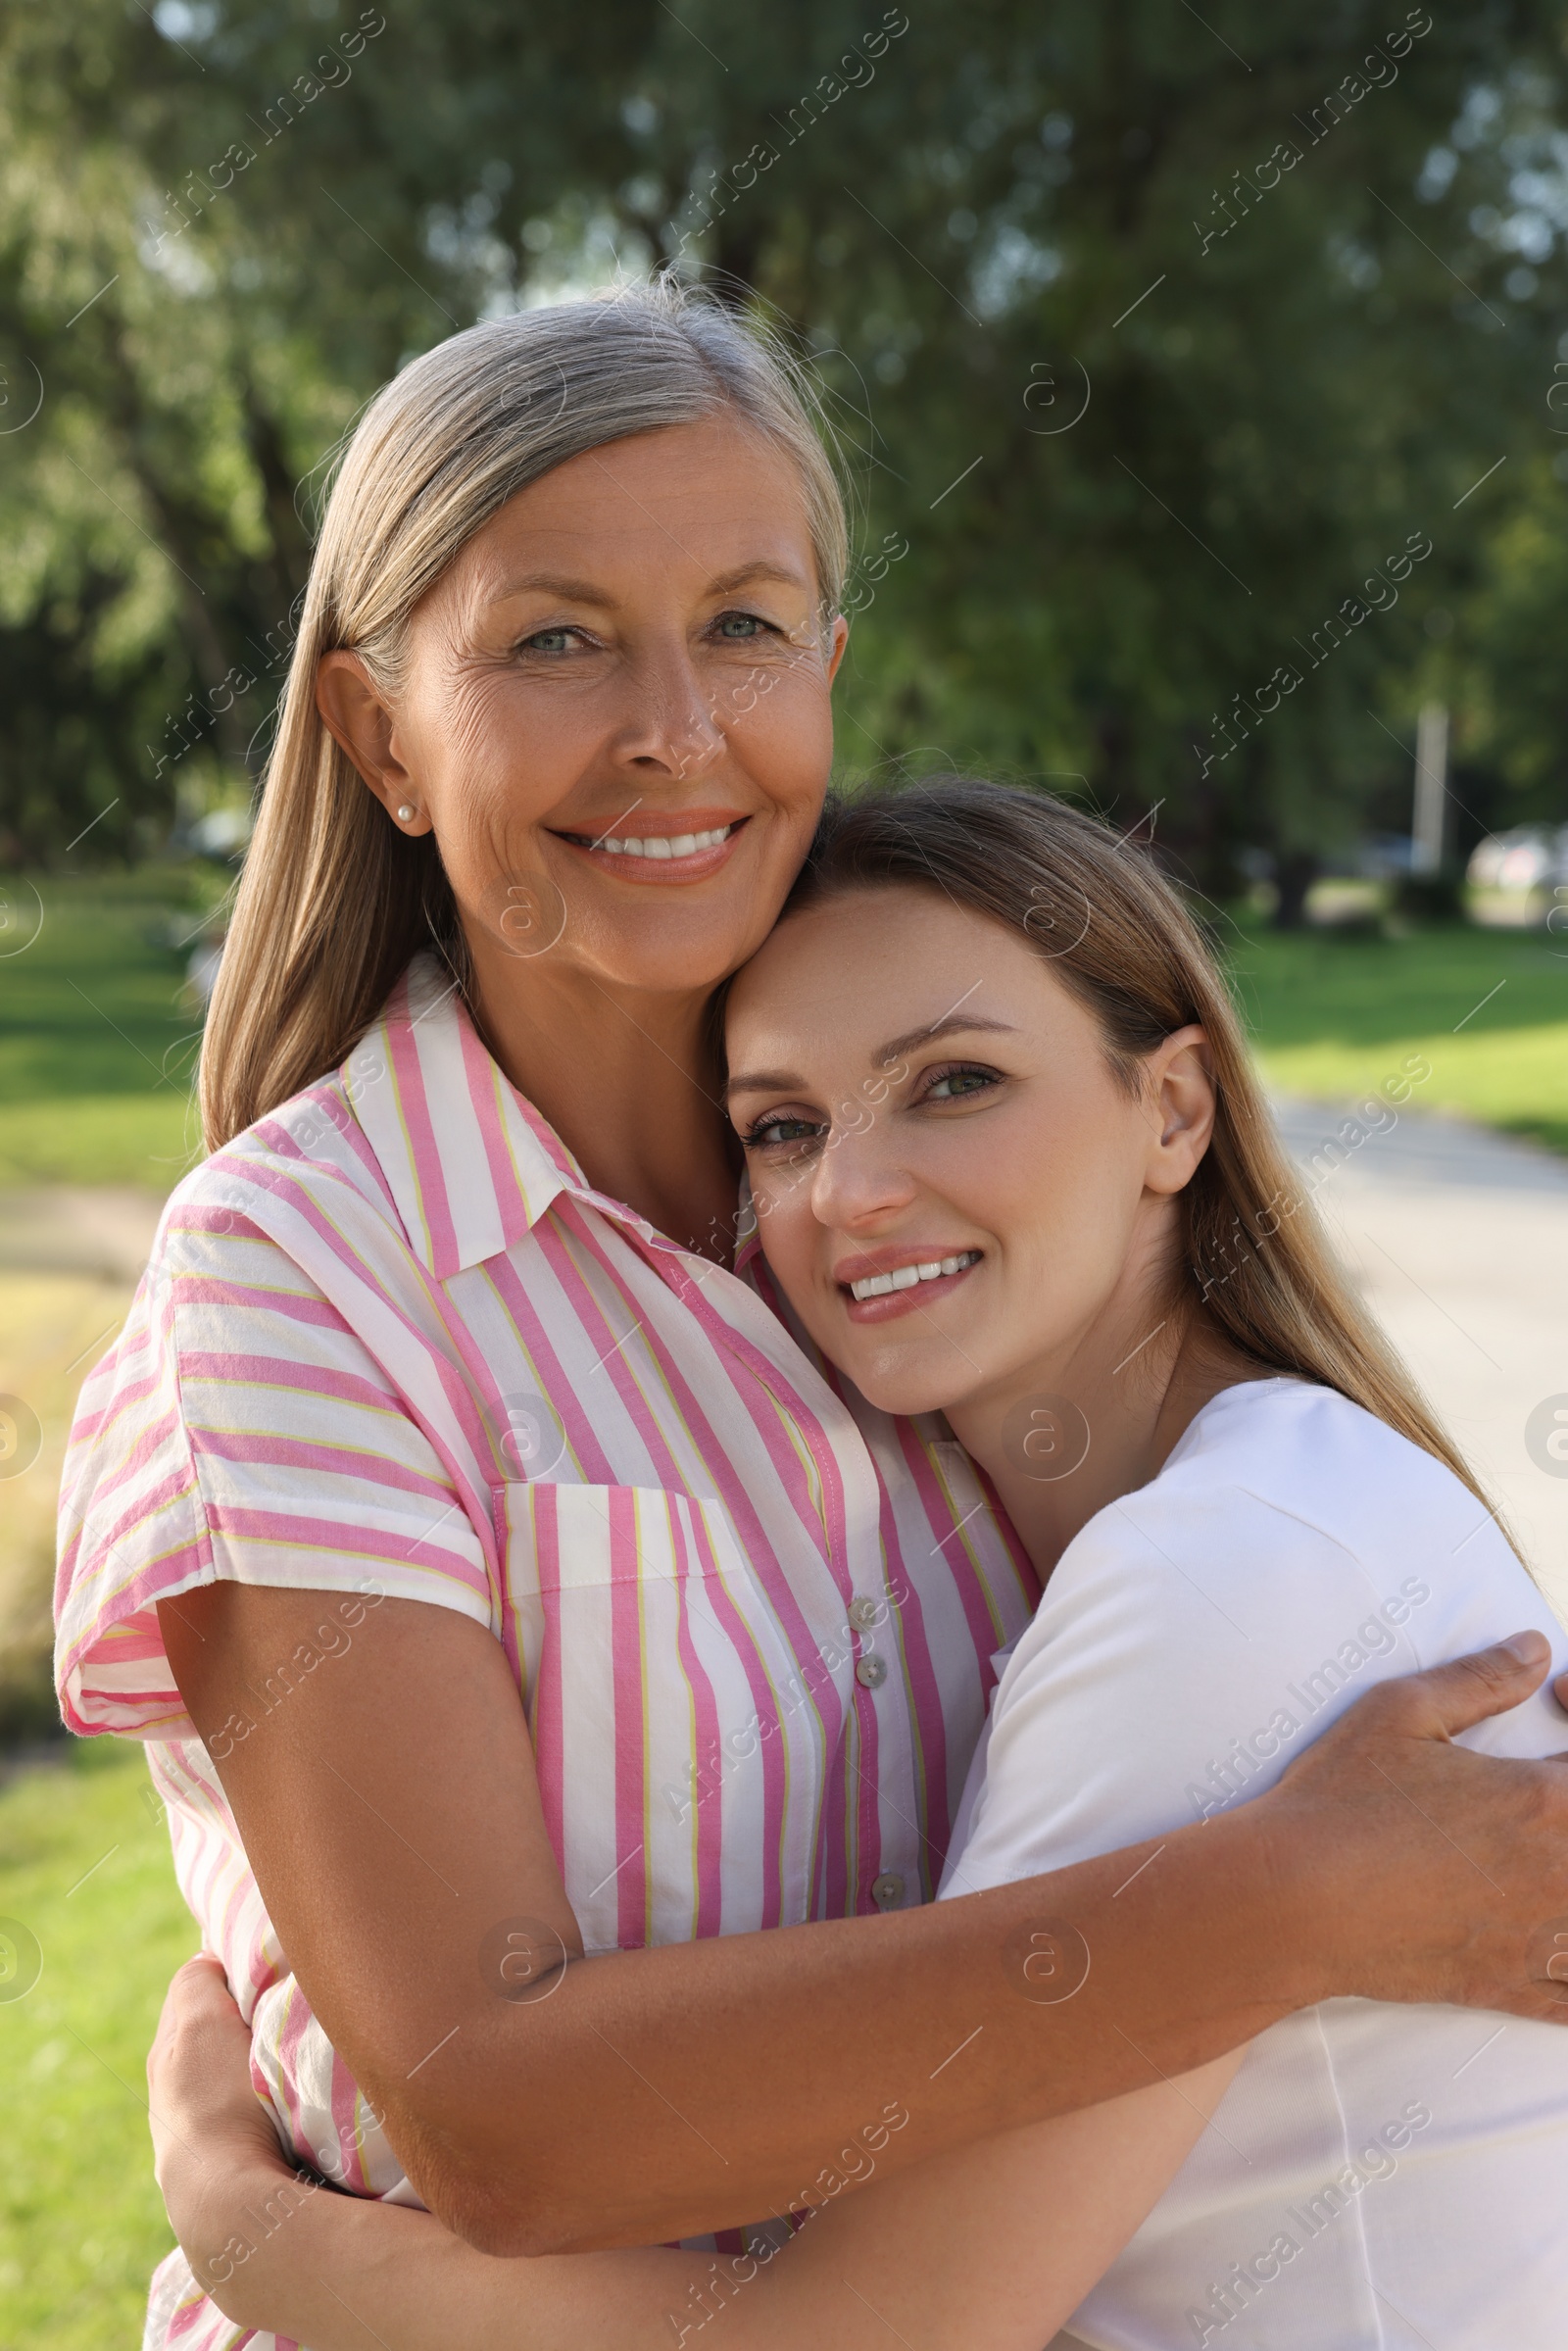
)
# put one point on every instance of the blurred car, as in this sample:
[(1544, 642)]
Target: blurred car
[(200, 972), (1385, 857), (1520, 877), (1532, 856), (221, 833)]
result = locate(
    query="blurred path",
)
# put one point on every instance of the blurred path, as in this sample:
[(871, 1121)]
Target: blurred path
[(78, 1228), (1458, 1240)]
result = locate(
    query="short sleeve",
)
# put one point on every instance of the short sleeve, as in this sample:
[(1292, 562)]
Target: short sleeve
[(1193, 1645), (240, 1430)]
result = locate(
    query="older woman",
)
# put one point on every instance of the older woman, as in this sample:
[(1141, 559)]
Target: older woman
[(493, 1568)]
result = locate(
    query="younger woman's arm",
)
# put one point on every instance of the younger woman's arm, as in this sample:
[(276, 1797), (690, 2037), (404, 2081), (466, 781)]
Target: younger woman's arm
[(390, 1810), (993, 2247)]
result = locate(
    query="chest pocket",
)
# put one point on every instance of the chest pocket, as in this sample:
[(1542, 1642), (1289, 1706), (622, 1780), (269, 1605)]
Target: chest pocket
[(679, 1711)]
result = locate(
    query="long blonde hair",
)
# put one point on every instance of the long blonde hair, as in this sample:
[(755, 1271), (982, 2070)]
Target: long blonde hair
[(334, 899), (1118, 936)]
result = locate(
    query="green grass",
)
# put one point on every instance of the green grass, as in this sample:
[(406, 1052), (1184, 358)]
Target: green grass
[(82, 2223), (1334, 1015), (96, 1038)]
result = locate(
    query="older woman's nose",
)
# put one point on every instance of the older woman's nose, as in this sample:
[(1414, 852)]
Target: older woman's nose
[(670, 722)]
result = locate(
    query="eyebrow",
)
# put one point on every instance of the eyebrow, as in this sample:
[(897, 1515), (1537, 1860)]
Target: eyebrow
[(583, 591), (784, 1081), (783, 574), (552, 583), (952, 1024)]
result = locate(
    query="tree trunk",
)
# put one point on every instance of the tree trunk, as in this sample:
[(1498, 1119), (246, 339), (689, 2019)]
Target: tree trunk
[(1294, 876)]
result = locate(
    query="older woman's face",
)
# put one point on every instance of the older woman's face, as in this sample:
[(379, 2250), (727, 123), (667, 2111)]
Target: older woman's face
[(614, 713)]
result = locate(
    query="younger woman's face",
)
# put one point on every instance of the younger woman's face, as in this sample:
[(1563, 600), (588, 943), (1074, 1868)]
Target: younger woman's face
[(616, 715), (920, 1096)]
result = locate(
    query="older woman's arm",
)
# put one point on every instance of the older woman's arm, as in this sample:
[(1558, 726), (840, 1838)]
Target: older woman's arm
[(391, 1814)]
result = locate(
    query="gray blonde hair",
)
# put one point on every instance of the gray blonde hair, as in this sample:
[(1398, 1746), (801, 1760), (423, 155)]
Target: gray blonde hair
[(334, 899)]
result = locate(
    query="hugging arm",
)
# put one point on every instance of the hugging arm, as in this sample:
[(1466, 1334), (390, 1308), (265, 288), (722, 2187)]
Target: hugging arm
[(998, 2244), (393, 1822)]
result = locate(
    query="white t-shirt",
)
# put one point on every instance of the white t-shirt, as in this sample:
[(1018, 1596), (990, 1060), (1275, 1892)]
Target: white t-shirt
[(1378, 2177)]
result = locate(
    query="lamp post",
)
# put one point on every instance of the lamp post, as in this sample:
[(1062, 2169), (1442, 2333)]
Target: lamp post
[(1429, 818)]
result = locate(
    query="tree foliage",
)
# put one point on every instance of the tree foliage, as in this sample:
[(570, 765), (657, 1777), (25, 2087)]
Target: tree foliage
[(1158, 340)]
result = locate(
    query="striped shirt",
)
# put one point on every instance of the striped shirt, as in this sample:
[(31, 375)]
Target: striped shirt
[(391, 1341)]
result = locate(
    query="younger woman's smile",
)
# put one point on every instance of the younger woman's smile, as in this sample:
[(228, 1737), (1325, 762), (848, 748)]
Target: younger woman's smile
[(883, 1283)]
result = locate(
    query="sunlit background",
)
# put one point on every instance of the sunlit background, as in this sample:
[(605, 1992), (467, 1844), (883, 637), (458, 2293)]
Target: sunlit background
[(1202, 382)]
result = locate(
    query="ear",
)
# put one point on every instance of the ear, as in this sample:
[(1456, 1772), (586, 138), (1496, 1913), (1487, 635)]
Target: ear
[(358, 717), (1180, 1078), (839, 638)]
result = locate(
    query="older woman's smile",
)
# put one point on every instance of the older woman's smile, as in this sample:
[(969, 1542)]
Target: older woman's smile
[(684, 847)]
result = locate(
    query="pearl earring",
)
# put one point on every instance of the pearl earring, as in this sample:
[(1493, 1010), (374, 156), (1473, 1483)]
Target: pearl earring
[(406, 814)]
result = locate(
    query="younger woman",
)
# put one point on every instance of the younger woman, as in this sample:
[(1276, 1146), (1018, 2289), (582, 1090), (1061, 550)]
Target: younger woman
[(1009, 1160)]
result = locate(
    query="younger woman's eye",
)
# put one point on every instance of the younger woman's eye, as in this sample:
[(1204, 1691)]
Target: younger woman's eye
[(738, 627), (781, 1131), (956, 1085)]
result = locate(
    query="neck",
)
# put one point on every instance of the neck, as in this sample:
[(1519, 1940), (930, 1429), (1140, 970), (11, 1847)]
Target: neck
[(627, 1079), (1128, 1385)]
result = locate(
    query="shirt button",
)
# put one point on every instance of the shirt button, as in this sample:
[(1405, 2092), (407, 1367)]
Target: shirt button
[(863, 1612), (887, 1891), (872, 1671)]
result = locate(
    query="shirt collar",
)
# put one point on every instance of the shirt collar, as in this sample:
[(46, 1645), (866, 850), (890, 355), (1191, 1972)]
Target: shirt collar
[(471, 1166)]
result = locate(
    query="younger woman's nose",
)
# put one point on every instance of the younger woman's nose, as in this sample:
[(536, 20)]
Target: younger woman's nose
[(857, 1178)]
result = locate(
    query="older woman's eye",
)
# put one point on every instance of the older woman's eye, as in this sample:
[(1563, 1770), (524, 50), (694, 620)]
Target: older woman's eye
[(738, 627), (548, 640)]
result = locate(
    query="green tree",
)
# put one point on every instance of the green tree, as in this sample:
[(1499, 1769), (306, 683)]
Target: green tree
[(1306, 271)]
